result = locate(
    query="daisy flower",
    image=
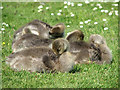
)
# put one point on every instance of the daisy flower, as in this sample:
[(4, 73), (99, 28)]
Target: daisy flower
[(81, 26), (52, 14), (65, 2), (95, 22), (110, 13), (2, 29), (40, 7), (87, 2), (60, 10), (58, 14), (81, 22), (1, 7), (106, 28), (102, 10), (68, 25), (106, 11), (116, 12), (79, 4), (72, 15), (95, 8), (104, 19), (47, 7), (72, 4), (86, 22), (68, 3), (65, 6)]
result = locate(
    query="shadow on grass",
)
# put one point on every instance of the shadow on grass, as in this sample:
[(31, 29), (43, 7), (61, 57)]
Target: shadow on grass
[(75, 69)]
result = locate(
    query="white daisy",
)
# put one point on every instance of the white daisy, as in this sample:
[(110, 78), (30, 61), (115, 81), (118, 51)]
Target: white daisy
[(100, 7), (110, 13), (58, 14), (72, 15), (104, 19), (81, 26), (1, 7), (95, 22), (89, 20), (115, 5), (95, 8), (52, 14), (47, 7), (102, 10), (65, 2), (98, 4), (106, 11), (116, 12), (86, 22), (65, 6), (106, 28), (79, 4), (6, 25), (87, 2), (68, 3), (40, 7), (3, 23), (81, 22), (72, 4), (68, 25), (2, 29), (60, 10)]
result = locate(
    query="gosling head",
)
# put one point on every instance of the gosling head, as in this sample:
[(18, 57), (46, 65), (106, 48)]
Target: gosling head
[(97, 40), (60, 46), (57, 31), (74, 36)]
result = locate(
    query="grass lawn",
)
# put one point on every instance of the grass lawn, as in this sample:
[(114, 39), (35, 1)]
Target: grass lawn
[(91, 18)]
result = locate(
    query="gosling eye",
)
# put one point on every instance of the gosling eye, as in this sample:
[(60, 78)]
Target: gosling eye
[(58, 50)]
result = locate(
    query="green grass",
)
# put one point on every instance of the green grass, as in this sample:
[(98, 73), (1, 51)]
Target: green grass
[(85, 76)]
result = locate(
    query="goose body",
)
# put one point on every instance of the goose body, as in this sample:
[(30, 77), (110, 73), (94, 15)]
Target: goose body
[(30, 40), (100, 43), (36, 33), (85, 52), (41, 29), (40, 59)]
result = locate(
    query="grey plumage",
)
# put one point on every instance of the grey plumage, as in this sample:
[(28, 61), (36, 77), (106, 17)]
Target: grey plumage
[(36, 27), (41, 29), (36, 33), (30, 40), (40, 59), (60, 45), (78, 47), (89, 52), (75, 36), (99, 42)]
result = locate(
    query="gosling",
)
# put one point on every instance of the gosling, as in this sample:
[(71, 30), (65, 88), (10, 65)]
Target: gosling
[(43, 59), (41, 29)]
